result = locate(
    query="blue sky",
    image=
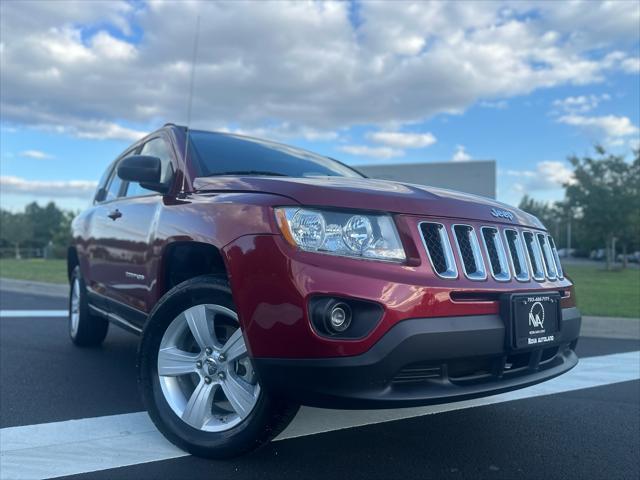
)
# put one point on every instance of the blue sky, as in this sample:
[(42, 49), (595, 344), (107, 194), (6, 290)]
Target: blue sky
[(525, 84)]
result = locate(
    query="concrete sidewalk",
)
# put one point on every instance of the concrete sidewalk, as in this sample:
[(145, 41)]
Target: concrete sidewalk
[(602, 327), (610, 327)]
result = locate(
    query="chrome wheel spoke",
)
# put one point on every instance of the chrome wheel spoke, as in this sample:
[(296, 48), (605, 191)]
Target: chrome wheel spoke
[(75, 307), (174, 362), (226, 391), (199, 326), (235, 347), (198, 409), (240, 394)]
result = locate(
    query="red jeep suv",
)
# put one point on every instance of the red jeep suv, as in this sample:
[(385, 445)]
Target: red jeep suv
[(262, 277)]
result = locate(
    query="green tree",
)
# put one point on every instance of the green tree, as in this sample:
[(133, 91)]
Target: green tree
[(605, 193), (545, 211), (15, 229), (45, 221), (62, 236)]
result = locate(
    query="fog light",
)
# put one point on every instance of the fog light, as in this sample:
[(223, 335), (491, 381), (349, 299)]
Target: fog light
[(340, 317)]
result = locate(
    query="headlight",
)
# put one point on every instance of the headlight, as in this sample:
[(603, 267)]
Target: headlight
[(339, 233)]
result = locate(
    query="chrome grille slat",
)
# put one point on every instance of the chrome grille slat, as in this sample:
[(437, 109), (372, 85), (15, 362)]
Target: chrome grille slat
[(517, 254), (556, 257), (469, 251), (436, 243), (498, 263), (534, 254), (547, 257)]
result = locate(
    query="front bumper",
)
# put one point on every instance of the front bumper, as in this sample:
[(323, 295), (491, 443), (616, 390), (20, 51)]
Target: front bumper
[(421, 362), (273, 283)]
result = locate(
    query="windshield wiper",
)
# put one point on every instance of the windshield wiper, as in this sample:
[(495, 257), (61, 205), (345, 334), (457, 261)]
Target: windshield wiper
[(251, 172)]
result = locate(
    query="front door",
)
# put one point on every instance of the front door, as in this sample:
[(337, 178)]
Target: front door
[(132, 257)]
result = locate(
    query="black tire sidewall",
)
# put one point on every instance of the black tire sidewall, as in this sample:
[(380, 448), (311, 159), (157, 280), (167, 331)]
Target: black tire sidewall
[(91, 329), (247, 435)]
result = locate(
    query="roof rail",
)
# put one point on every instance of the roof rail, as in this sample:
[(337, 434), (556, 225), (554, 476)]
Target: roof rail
[(170, 124)]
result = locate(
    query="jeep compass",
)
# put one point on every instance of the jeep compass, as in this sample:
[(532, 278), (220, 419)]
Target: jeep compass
[(261, 277)]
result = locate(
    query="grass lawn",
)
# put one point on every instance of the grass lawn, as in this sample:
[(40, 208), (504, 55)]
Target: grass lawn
[(607, 294), (53, 271)]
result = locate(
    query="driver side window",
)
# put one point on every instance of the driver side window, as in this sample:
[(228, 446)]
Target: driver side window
[(114, 188)]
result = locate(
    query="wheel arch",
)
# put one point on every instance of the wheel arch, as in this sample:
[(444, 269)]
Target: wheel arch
[(183, 260)]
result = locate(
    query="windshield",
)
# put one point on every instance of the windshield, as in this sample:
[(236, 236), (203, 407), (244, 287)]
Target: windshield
[(227, 154)]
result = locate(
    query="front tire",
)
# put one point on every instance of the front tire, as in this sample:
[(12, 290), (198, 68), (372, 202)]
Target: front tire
[(196, 377), (85, 328)]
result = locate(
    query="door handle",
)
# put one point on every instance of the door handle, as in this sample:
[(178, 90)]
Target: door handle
[(115, 214)]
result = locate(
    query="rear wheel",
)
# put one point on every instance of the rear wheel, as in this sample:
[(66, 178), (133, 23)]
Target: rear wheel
[(85, 328), (197, 379)]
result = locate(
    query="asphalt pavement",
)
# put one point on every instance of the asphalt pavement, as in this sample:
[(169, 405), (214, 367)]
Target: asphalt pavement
[(67, 410)]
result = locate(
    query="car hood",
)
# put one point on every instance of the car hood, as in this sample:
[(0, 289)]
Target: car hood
[(372, 194)]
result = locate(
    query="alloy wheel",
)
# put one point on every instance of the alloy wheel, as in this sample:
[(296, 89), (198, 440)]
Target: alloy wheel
[(204, 369), (75, 307)]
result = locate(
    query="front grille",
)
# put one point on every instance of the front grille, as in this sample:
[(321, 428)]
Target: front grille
[(469, 250), (518, 255), (506, 252), (475, 370), (547, 257), (556, 257), (535, 256), (418, 373), (436, 241), (497, 255)]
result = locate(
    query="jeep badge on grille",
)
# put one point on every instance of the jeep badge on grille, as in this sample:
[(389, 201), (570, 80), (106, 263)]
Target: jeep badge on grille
[(496, 212)]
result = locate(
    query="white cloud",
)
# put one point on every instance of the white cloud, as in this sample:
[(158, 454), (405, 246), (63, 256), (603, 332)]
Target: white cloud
[(612, 126), (47, 188), (109, 47), (299, 63), (95, 130), (497, 105), (548, 175), (460, 154), (631, 65), (403, 140), (37, 154), (581, 103), (107, 131), (375, 152), (589, 22)]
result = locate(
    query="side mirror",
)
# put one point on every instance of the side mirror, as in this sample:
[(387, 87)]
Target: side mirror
[(142, 169)]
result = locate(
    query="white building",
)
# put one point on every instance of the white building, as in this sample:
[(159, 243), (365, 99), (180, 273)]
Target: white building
[(476, 176)]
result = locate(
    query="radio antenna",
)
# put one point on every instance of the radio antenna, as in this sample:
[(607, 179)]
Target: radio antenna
[(190, 101)]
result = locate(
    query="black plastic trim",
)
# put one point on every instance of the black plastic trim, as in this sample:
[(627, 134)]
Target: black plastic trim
[(366, 381)]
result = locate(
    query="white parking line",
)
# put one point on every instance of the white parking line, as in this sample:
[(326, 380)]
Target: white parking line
[(33, 313), (91, 444)]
